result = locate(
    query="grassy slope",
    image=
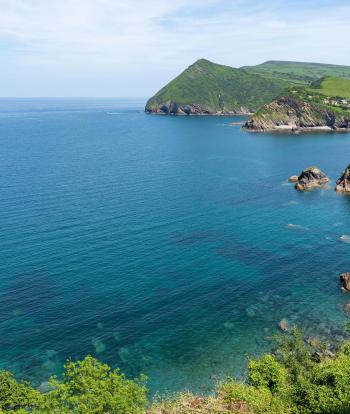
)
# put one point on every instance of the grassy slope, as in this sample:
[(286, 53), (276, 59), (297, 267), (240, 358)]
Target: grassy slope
[(218, 87), (332, 86), (323, 92), (301, 73)]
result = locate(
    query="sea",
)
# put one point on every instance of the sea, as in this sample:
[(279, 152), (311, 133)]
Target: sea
[(168, 246)]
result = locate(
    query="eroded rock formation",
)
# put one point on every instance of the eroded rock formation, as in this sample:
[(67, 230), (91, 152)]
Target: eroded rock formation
[(310, 178), (343, 184)]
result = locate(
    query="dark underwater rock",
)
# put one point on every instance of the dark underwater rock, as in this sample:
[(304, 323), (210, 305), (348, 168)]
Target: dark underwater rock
[(283, 325), (26, 294)]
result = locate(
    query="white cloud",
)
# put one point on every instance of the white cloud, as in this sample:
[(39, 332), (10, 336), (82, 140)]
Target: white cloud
[(114, 47)]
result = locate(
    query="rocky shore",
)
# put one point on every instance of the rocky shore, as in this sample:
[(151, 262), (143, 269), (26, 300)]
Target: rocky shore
[(172, 108), (291, 114)]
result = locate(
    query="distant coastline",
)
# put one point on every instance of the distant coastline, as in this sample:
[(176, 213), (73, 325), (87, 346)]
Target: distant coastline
[(223, 114), (271, 94), (296, 130)]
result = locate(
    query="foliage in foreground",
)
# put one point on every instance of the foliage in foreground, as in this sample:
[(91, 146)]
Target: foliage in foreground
[(299, 377), (86, 387)]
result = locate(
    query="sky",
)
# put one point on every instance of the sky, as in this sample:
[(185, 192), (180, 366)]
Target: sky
[(131, 48)]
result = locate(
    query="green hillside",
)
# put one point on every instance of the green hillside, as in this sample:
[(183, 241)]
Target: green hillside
[(329, 93), (331, 86), (207, 87), (298, 72)]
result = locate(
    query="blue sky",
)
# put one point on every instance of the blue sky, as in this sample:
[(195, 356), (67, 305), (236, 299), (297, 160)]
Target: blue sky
[(131, 48)]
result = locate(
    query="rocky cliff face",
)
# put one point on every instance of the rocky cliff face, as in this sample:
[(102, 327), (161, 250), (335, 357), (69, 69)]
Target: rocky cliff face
[(343, 184), (172, 108), (310, 178), (289, 113)]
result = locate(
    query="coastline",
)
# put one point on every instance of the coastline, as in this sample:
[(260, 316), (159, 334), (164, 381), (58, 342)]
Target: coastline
[(227, 114), (296, 130)]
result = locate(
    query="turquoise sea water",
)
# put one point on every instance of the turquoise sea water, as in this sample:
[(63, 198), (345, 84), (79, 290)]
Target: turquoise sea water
[(170, 246)]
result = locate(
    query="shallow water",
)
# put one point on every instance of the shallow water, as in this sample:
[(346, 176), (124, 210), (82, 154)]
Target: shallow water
[(170, 246)]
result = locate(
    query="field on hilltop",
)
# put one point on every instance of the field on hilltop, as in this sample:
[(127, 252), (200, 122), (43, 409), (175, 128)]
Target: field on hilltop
[(301, 73), (331, 86)]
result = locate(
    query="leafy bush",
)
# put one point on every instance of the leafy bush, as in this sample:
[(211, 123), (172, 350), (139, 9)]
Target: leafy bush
[(293, 352), (301, 377), (259, 400), (16, 395), (91, 387), (266, 372), (328, 390), (87, 387)]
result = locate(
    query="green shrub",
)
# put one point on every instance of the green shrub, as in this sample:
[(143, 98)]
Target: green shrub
[(304, 397), (91, 387), (259, 400), (345, 348), (325, 387), (15, 396), (332, 378), (293, 352), (87, 387), (266, 372)]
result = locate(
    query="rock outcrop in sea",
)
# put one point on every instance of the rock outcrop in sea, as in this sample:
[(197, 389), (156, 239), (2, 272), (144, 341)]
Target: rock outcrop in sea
[(283, 325), (343, 184), (345, 281), (310, 178)]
